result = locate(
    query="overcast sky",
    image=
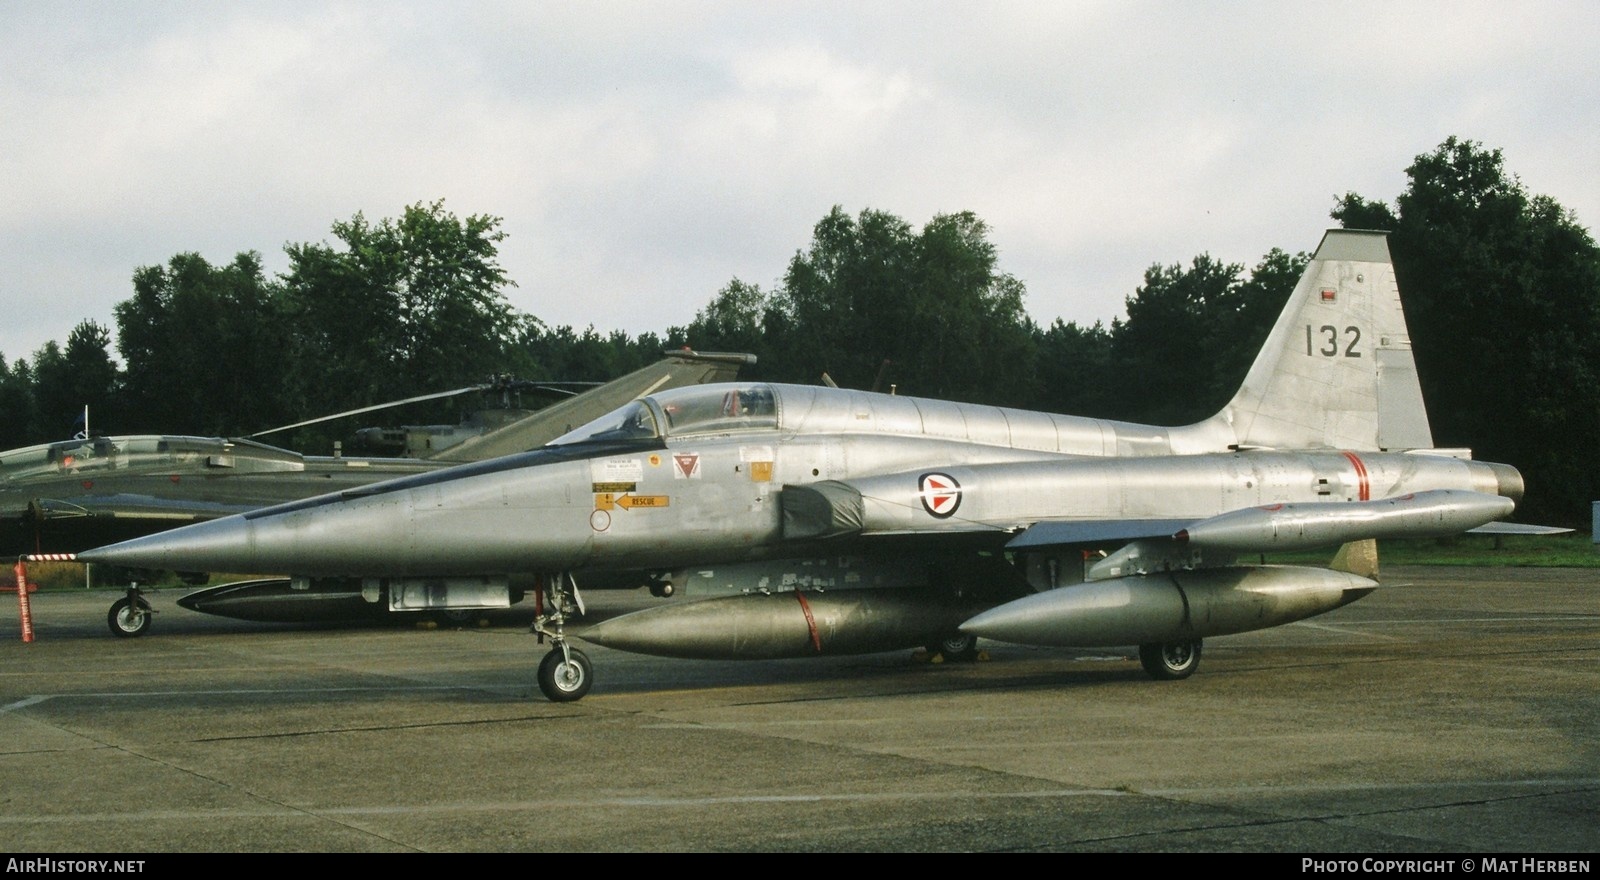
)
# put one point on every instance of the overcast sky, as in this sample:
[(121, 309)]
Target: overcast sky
[(643, 155)]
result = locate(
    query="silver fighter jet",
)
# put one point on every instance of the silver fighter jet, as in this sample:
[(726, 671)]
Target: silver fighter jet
[(794, 521)]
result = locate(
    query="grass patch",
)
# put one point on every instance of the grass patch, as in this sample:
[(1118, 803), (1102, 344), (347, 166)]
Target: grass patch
[(51, 576), (1543, 551)]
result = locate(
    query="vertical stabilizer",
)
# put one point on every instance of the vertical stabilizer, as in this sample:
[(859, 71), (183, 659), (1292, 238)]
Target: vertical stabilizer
[(1337, 370)]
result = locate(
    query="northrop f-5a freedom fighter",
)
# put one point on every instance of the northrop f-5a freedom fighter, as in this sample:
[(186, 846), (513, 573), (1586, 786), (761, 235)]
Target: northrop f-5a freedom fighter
[(795, 521)]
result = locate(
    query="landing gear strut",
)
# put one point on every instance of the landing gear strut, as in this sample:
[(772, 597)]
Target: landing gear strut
[(565, 673)]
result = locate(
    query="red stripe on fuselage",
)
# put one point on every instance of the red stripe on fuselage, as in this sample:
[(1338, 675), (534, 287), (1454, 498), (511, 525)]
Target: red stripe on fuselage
[(811, 622), (1361, 475)]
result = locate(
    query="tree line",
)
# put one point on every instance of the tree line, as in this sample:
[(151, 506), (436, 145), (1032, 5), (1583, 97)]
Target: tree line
[(1502, 293)]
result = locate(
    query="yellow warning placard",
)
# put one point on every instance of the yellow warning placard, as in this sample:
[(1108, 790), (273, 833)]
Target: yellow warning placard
[(612, 501), (629, 502)]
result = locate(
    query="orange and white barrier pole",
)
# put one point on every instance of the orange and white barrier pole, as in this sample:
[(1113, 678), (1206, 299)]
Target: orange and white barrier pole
[(21, 570), (22, 601)]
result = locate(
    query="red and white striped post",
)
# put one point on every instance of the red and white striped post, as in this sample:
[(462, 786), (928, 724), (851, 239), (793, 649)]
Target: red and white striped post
[(21, 570), (22, 601)]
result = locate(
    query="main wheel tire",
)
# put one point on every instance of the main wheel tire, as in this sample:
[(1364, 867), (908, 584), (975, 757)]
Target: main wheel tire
[(127, 619), (956, 648), (1170, 661), (563, 680)]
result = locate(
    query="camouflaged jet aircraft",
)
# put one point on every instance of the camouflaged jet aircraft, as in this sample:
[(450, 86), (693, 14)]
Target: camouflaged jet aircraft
[(797, 521), (75, 494)]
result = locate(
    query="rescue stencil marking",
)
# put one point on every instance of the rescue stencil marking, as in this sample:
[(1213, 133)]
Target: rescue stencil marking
[(629, 502), (607, 501), (686, 465), (940, 494)]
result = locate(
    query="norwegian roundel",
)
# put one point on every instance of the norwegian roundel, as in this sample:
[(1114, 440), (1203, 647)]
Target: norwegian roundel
[(940, 494)]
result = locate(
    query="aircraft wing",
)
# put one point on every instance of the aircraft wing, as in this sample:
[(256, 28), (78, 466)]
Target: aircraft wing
[(535, 430)]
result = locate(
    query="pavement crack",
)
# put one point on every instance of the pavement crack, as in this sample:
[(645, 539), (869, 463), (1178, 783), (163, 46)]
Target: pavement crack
[(381, 728)]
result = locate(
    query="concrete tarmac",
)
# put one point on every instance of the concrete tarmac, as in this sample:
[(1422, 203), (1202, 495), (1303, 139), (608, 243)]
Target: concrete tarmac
[(1454, 710)]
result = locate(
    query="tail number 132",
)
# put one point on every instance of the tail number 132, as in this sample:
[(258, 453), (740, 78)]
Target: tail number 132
[(1326, 341)]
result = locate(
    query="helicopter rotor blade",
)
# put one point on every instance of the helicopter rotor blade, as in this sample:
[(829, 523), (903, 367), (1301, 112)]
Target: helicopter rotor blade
[(374, 408)]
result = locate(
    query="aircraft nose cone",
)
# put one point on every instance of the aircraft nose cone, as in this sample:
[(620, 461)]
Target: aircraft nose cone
[(208, 546)]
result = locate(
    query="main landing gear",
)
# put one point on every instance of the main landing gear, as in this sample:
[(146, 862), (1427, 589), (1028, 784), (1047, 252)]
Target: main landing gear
[(954, 648), (565, 673), (1170, 661)]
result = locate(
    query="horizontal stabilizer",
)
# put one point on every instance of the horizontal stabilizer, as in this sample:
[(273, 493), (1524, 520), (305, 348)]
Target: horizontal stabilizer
[(1303, 526), (1505, 528)]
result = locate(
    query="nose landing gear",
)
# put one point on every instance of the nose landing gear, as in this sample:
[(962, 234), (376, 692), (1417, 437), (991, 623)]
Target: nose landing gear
[(565, 674)]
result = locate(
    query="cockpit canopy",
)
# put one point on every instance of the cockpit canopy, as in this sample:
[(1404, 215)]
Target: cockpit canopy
[(701, 409), (137, 453)]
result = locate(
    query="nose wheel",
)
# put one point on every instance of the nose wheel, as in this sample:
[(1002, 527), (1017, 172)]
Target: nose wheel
[(565, 674), (130, 616)]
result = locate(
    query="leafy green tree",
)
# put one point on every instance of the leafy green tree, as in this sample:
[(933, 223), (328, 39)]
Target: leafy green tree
[(204, 348), (1259, 300), (1074, 370), (564, 354), (82, 377), (1163, 351), (970, 326), (398, 307), (873, 302), (16, 400), (734, 320), (1191, 335), (1502, 296)]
